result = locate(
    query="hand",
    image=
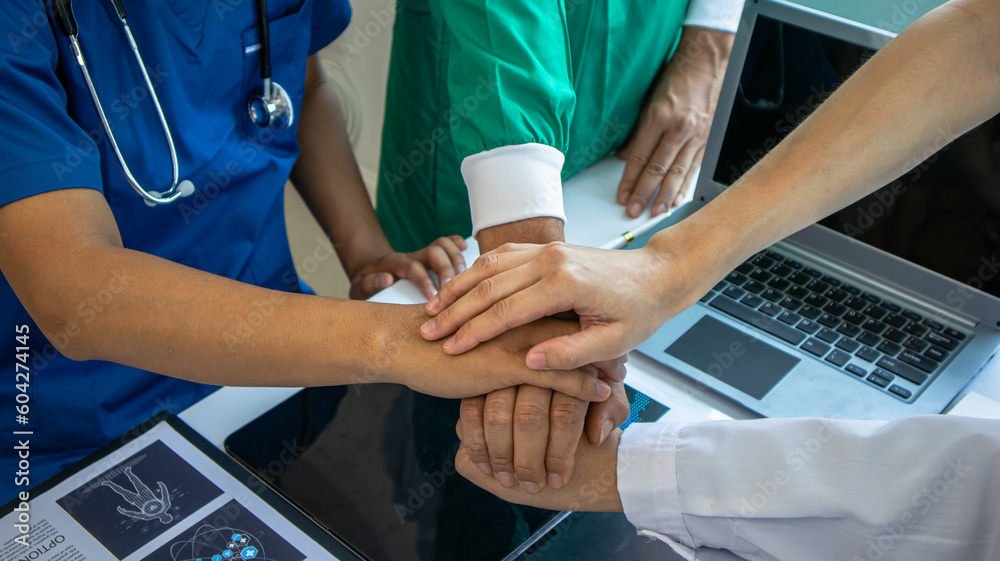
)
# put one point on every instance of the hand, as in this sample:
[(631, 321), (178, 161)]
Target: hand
[(594, 489), (669, 142), (420, 365), (530, 434), (443, 256), (621, 297)]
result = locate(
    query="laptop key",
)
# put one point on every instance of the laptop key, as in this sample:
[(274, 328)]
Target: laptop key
[(762, 262), (734, 293), (875, 312), (867, 338), (793, 264), (815, 347), (831, 281), (856, 370), (774, 255), (915, 345), (854, 318), (810, 312), (759, 320), (856, 303), (911, 315), (941, 341), (790, 304), (888, 349), (849, 345), (760, 275), (829, 320), (901, 392), (923, 363), (754, 287), (890, 306), (808, 326), (818, 286), (707, 297), (789, 317), (867, 354), (895, 335), (781, 270), (745, 268), (800, 278), (915, 329), (848, 329), (812, 272), (839, 358), (935, 353), (736, 278), (778, 283), (836, 294), (720, 286), (933, 324), (827, 335), (769, 309), (772, 295), (751, 300), (871, 297), (850, 289), (895, 320), (835, 309), (954, 334), (902, 370), (874, 326), (815, 300), (797, 292), (880, 381)]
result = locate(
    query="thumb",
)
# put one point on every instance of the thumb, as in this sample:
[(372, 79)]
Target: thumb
[(591, 344)]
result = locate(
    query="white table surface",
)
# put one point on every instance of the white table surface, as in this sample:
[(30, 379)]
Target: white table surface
[(594, 219)]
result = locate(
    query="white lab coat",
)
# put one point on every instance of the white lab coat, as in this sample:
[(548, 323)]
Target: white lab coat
[(924, 487)]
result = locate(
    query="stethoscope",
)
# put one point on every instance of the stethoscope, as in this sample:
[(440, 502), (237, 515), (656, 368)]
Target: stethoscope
[(273, 108)]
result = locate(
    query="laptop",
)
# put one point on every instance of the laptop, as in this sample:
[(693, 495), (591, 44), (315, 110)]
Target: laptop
[(879, 311)]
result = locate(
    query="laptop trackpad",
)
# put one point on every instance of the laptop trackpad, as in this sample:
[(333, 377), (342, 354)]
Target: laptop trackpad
[(743, 362)]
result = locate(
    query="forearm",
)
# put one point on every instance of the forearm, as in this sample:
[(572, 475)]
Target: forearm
[(939, 79), (166, 318), (539, 230), (326, 175)]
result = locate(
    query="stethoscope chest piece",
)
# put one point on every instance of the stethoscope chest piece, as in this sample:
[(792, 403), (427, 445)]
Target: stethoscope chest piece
[(272, 109)]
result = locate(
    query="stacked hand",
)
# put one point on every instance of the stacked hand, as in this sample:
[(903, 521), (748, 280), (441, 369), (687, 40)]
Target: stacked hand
[(443, 256)]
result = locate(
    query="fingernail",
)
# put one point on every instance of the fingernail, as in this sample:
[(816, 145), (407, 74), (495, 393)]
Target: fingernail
[(603, 390), (623, 198), (445, 281), (555, 481), (634, 209), (428, 327), (460, 268), (506, 479), (487, 469), (531, 488), (536, 361), (450, 343), (433, 304), (606, 429), (380, 282), (659, 209)]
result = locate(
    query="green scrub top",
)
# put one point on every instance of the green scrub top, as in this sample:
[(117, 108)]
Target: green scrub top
[(467, 77)]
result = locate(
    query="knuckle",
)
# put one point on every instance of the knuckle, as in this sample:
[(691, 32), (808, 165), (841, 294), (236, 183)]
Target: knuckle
[(678, 172), (526, 468), (658, 169), (500, 458), (638, 159), (567, 413), (531, 419), (476, 450), (485, 289), (471, 409), (497, 415), (501, 310)]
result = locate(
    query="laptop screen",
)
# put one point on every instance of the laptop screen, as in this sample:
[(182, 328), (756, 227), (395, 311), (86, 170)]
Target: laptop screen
[(943, 215)]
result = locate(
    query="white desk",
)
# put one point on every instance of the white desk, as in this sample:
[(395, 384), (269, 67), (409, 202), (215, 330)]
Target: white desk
[(594, 219)]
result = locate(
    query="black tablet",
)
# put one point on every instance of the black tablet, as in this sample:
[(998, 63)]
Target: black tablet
[(374, 465)]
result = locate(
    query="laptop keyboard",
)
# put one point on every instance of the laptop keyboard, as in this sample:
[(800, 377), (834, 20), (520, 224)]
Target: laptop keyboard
[(860, 333)]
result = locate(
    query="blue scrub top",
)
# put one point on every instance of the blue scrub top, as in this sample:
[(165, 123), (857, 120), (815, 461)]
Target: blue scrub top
[(202, 59)]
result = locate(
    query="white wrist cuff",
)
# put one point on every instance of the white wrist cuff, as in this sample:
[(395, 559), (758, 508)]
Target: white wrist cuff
[(723, 15), (514, 183)]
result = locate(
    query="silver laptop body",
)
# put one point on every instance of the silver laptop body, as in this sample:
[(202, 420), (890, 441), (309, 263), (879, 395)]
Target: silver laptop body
[(935, 333)]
